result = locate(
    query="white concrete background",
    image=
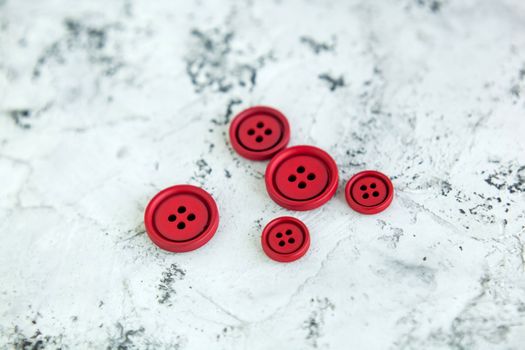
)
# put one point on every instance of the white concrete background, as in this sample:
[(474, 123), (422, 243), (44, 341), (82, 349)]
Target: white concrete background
[(104, 103)]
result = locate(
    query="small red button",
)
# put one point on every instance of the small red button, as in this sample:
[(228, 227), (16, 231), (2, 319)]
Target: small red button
[(181, 218), (285, 239), (369, 192), (258, 133), (301, 178)]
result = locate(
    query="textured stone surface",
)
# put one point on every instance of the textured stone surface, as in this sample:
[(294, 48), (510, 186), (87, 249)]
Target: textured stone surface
[(104, 103)]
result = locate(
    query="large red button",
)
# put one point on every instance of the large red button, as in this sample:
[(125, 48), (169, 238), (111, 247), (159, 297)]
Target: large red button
[(258, 133), (181, 218), (285, 239), (369, 192), (301, 178)]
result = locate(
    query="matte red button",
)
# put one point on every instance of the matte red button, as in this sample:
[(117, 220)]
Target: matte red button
[(301, 178), (181, 218), (258, 133), (285, 239), (369, 192)]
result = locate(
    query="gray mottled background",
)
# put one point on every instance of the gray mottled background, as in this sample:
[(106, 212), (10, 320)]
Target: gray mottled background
[(104, 103)]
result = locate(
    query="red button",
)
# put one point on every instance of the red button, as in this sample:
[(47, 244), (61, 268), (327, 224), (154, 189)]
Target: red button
[(369, 192), (301, 178), (285, 239), (258, 133), (181, 218)]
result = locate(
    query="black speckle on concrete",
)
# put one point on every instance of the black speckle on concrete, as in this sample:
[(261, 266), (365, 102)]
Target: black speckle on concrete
[(391, 234), (166, 285), (496, 180), (433, 5), (317, 46), (258, 224), (125, 338), (21, 117), (224, 333), (314, 324), (212, 64), (446, 187), (228, 114), (354, 155), (202, 172), (35, 341), (80, 37), (521, 73), (507, 176), (482, 212), (518, 184), (333, 83)]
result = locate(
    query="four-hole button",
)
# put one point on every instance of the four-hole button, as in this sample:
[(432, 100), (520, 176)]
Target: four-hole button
[(285, 239), (259, 132), (301, 178), (369, 192), (181, 218)]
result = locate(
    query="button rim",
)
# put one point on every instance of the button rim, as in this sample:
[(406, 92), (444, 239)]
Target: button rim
[(302, 205), (367, 210), (258, 155), (188, 245), (287, 257)]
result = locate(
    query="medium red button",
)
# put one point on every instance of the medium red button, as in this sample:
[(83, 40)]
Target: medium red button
[(258, 133), (369, 192), (301, 178), (285, 239), (181, 218)]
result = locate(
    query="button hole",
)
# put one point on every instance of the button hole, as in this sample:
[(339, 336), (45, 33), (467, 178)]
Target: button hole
[(300, 169), (181, 209), (268, 131), (281, 243), (172, 218), (292, 178), (259, 138), (375, 194), (181, 225), (311, 176), (260, 125), (373, 185), (191, 217), (302, 184), (362, 188), (365, 196), (251, 132), (291, 240), (279, 235), (288, 232)]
